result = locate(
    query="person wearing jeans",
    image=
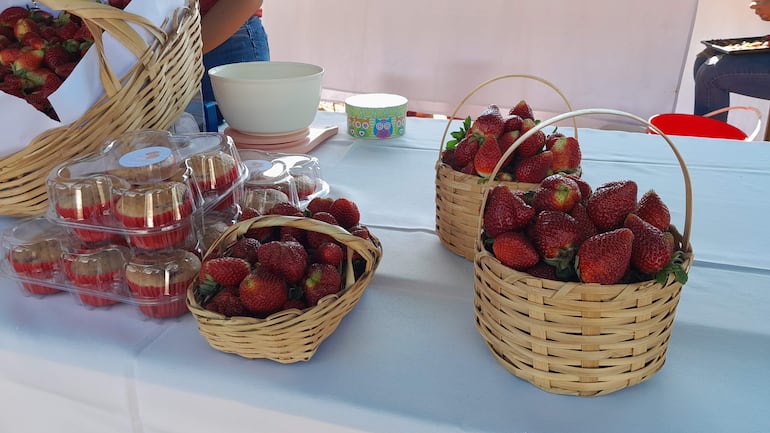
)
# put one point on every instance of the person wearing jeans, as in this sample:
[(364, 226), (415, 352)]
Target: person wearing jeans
[(717, 75)]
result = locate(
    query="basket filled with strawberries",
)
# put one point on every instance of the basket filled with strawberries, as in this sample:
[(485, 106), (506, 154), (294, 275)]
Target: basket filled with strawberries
[(474, 152), (576, 286), (276, 285), (110, 70)]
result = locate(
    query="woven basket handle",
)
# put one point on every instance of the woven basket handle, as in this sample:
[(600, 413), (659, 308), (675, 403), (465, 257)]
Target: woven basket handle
[(365, 248), (605, 111), (101, 18), (490, 81)]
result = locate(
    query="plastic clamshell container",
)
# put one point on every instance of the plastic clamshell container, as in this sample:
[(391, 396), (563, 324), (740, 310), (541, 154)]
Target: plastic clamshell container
[(304, 171), (45, 259), (148, 188)]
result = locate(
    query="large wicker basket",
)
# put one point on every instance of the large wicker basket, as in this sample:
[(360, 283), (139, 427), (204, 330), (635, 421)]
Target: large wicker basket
[(291, 335), (458, 195), (574, 338), (152, 95)]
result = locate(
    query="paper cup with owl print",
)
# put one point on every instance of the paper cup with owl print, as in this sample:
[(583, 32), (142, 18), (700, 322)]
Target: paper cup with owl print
[(376, 115)]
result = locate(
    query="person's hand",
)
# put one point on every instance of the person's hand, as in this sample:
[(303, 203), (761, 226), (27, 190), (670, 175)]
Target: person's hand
[(761, 8)]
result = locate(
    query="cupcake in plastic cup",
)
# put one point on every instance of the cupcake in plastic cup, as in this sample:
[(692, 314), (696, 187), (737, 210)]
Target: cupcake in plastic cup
[(268, 183), (87, 204), (97, 273), (158, 281), (158, 216), (34, 250), (215, 175)]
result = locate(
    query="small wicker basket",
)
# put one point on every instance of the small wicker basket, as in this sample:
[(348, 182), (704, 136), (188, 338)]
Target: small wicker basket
[(290, 335), (152, 95), (458, 195), (575, 338)]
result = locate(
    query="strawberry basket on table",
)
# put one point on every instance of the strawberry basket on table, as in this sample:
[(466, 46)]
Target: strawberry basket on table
[(605, 326), (151, 95), (291, 334), (459, 189)]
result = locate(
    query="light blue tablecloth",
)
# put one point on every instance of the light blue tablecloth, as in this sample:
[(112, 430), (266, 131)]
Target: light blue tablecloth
[(408, 357)]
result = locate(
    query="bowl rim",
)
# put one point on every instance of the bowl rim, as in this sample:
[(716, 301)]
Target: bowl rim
[(213, 71)]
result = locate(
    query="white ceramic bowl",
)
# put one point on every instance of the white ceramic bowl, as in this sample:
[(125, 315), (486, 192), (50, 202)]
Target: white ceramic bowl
[(267, 97)]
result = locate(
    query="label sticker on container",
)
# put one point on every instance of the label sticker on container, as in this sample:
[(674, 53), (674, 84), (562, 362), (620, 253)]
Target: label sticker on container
[(258, 165), (144, 157)]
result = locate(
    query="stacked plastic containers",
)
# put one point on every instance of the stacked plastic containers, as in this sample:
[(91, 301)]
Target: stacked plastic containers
[(127, 225)]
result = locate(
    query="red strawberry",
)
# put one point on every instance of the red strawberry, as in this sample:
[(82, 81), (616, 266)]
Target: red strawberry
[(9, 55), (29, 59), (448, 157), (532, 145), (610, 203), (287, 259), (246, 249), (39, 100), (11, 14), (551, 138), (346, 212), (321, 280), (585, 187), (67, 30), (34, 41), (505, 141), (651, 250), (64, 70), (298, 303), (566, 154), (226, 303), (465, 151), (515, 250), (263, 292), (45, 79), (225, 271), (489, 122), (487, 157), (248, 213), (604, 258), (24, 26), (523, 110), (505, 212), (512, 122), (543, 270), (320, 204), (535, 168), (554, 234), (556, 192), (315, 239), (360, 230), (586, 227), (330, 253), (285, 209), (56, 56), (652, 209)]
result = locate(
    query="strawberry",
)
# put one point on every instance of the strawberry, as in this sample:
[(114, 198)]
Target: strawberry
[(505, 212), (67, 30), (360, 230), (585, 187), (315, 239), (523, 110), (534, 168), (39, 100), (556, 192), (9, 55), (652, 209), (505, 141), (11, 14), (566, 154), (28, 60), (555, 234), (82, 35), (322, 274), (262, 292), (586, 227), (515, 250), (248, 213), (226, 303), (487, 157), (5, 42), (285, 209), (532, 145), (465, 151), (552, 137), (650, 251), (610, 203), (298, 303), (604, 258), (45, 79), (448, 157), (512, 122), (55, 56), (287, 259), (330, 253), (24, 26), (41, 17), (225, 271), (319, 204), (318, 292), (489, 122), (34, 41), (543, 270), (246, 249), (346, 212), (64, 70)]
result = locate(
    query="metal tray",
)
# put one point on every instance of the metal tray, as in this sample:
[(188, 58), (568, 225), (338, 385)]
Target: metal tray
[(740, 45)]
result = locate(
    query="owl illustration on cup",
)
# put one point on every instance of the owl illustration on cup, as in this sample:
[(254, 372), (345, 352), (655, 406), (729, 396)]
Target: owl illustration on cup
[(358, 127), (383, 127)]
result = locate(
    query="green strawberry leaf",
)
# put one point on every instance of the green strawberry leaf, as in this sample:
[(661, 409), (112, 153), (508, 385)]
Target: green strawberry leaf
[(459, 134)]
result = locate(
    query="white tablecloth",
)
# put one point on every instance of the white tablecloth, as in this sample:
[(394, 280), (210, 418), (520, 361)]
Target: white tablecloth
[(408, 357)]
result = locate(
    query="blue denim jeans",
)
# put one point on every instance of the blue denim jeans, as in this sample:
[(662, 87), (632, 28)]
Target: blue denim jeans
[(717, 75), (248, 44)]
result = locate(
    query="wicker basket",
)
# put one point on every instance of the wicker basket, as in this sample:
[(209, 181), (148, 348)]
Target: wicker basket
[(574, 338), (152, 95), (458, 195), (291, 335)]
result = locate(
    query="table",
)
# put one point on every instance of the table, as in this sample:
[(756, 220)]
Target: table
[(408, 357)]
